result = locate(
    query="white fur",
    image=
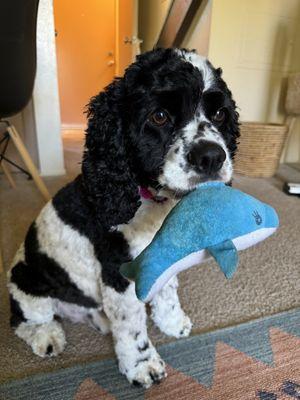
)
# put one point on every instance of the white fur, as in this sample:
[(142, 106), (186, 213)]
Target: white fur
[(210, 134), (127, 316), (72, 251), (201, 63), (166, 309), (124, 314), (146, 222), (40, 337), (75, 254), (99, 321), (167, 312), (36, 309), (94, 317), (40, 311), (176, 173)]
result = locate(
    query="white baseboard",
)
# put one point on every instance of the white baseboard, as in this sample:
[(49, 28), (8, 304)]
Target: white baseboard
[(71, 127), (53, 172)]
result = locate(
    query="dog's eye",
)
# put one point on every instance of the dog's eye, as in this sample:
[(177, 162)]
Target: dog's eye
[(219, 116), (159, 117)]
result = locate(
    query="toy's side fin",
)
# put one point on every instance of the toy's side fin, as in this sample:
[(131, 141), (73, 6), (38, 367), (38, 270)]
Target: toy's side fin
[(129, 270), (226, 256)]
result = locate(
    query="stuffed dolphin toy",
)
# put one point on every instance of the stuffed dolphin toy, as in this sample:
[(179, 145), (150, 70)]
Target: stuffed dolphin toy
[(213, 220)]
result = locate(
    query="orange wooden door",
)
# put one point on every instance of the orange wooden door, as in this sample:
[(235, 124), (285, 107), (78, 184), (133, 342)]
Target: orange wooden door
[(85, 45)]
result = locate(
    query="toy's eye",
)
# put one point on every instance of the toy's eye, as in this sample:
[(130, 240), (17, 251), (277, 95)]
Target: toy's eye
[(219, 116), (159, 117)]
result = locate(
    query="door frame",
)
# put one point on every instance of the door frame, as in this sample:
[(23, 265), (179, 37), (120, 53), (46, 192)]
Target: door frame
[(134, 33)]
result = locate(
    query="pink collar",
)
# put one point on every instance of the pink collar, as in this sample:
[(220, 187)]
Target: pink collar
[(146, 194)]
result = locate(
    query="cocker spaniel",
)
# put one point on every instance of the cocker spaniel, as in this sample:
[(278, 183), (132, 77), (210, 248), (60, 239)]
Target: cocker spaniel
[(152, 136)]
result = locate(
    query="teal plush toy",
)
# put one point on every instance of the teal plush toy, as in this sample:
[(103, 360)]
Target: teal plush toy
[(215, 220)]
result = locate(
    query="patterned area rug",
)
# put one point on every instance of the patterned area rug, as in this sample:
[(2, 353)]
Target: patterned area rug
[(258, 360)]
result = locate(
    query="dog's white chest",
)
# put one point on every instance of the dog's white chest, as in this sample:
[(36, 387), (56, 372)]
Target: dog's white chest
[(146, 222)]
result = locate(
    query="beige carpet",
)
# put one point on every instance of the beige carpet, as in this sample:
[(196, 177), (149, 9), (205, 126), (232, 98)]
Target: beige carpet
[(268, 279)]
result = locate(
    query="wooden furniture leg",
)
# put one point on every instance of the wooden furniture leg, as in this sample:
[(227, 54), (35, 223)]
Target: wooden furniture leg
[(290, 122), (8, 174), (28, 161), (1, 263)]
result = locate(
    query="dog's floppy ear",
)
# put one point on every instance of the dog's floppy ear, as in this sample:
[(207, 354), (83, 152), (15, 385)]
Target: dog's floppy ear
[(108, 180)]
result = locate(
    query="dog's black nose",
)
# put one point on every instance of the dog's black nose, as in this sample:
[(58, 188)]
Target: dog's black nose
[(207, 157)]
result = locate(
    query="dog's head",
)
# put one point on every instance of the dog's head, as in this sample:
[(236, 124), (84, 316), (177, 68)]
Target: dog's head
[(169, 122)]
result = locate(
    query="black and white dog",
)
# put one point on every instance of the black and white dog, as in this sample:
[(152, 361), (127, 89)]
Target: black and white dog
[(167, 125)]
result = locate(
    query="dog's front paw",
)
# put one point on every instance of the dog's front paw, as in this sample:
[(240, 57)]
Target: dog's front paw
[(147, 371), (178, 325), (186, 327), (99, 321)]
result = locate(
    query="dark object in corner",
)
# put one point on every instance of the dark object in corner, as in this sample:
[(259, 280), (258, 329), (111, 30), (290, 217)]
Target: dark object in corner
[(292, 188)]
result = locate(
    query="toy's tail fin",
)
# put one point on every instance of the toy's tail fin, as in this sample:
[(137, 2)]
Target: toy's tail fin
[(226, 255), (129, 270)]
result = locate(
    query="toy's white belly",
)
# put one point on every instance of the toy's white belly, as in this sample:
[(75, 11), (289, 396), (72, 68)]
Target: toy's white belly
[(241, 243)]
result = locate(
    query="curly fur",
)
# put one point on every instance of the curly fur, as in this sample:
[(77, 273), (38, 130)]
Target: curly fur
[(105, 168), (69, 263)]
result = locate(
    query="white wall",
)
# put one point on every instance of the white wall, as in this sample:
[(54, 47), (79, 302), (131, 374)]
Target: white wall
[(293, 150), (45, 95), (257, 44)]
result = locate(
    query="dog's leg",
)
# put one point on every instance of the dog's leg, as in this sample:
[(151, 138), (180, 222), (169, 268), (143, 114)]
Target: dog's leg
[(46, 340), (167, 312), (137, 357), (99, 321), (32, 319)]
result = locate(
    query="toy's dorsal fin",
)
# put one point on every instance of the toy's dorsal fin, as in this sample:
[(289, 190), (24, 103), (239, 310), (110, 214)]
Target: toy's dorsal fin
[(226, 256)]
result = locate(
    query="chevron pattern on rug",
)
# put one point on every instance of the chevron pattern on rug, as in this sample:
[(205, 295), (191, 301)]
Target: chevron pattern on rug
[(257, 360), (236, 376)]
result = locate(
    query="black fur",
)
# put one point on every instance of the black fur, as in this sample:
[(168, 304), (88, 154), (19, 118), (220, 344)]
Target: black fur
[(111, 249), (145, 359), (123, 150), (110, 184), (219, 96), (42, 276), (49, 350), (144, 347), (158, 80), (17, 315)]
